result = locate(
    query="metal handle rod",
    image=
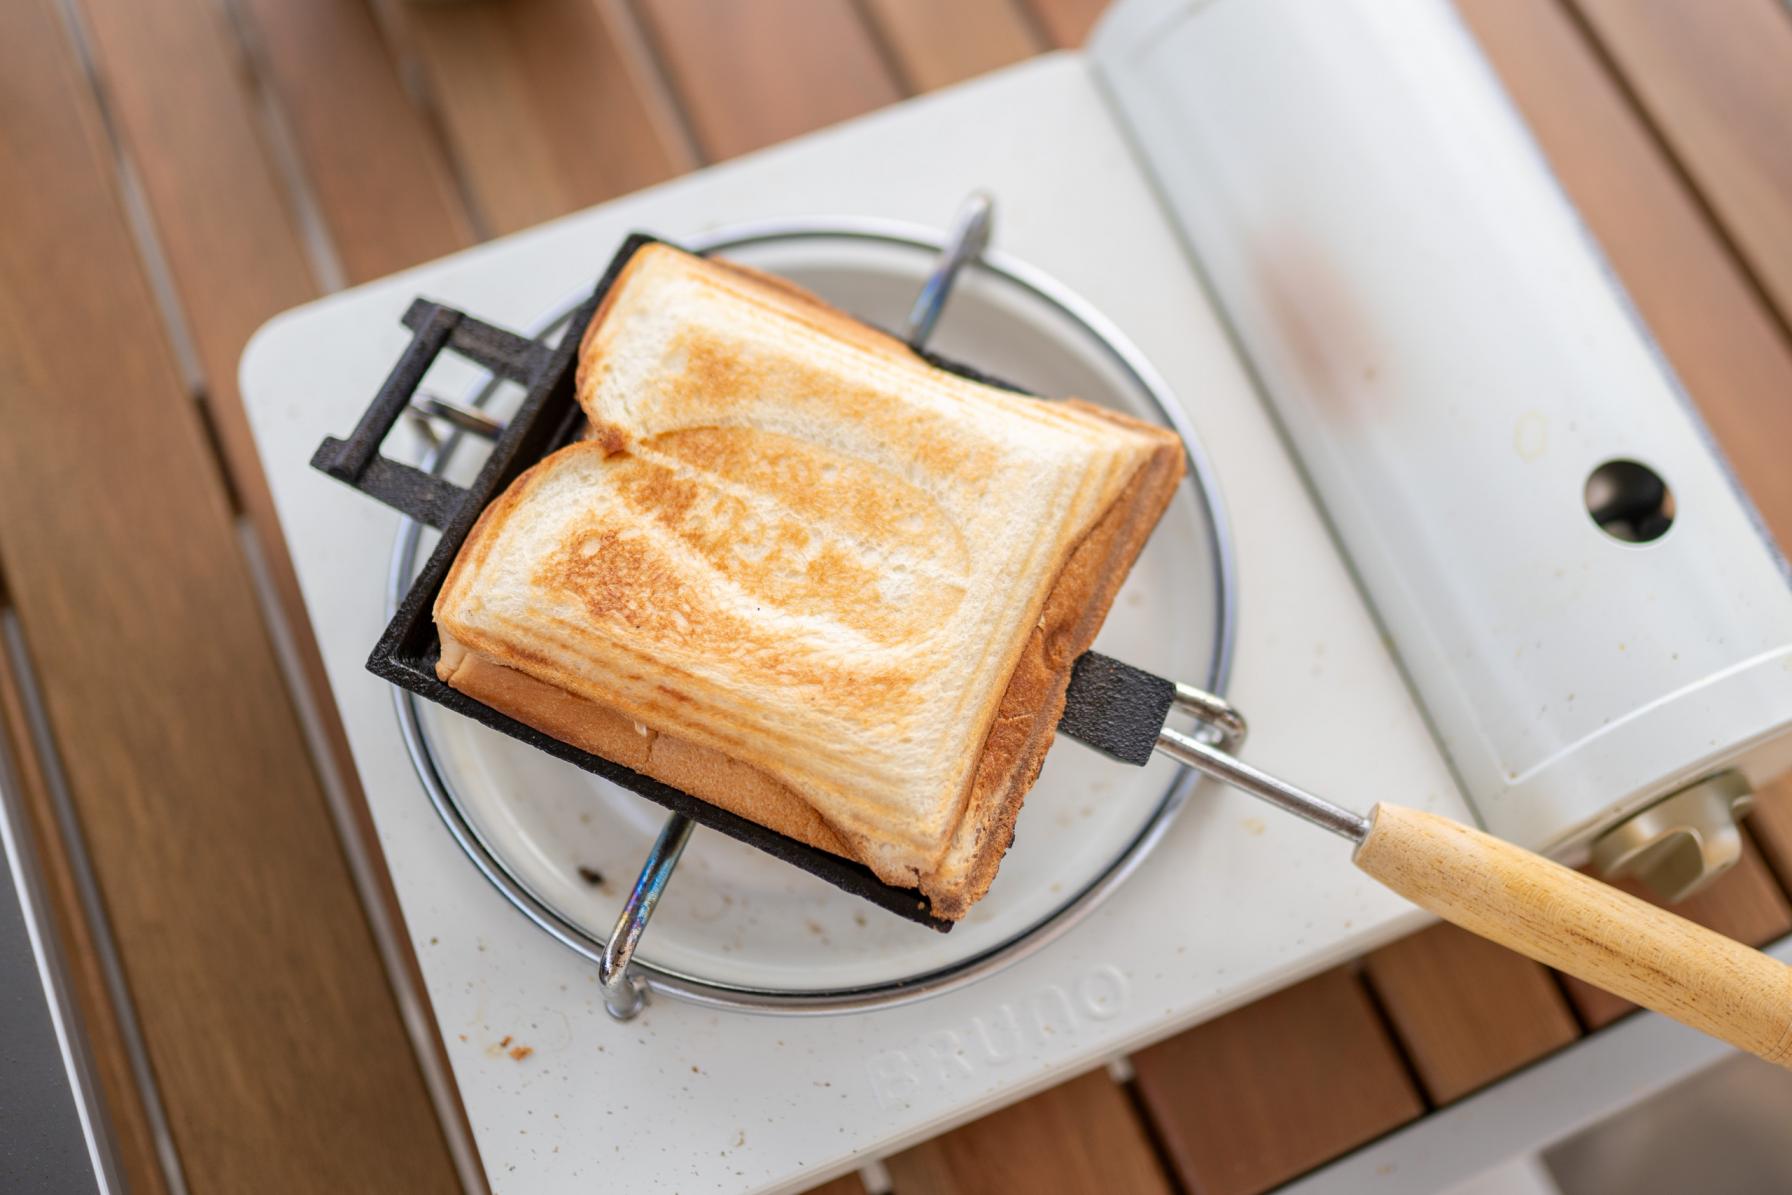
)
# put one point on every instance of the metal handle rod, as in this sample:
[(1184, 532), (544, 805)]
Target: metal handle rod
[(1211, 761), (466, 418), (969, 237), (624, 994)]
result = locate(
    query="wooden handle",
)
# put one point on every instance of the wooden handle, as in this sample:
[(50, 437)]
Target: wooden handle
[(1576, 924)]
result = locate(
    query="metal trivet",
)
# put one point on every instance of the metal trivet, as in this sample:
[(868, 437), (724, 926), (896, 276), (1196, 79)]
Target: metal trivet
[(547, 418)]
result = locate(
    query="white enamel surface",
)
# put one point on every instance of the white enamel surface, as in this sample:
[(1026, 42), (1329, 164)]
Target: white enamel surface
[(735, 916), (1452, 358), (1236, 901)]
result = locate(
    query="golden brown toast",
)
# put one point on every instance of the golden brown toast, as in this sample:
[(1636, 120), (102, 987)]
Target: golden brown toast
[(799, 572)]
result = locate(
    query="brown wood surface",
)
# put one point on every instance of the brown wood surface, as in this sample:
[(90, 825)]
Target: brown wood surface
[(1076, 1137), (547, 105), (938, 42), (192, 784), (224, 227), (1699, 302), (1066, 22), (225, 221), (1745, 904), (1771, 827), (846, 1184), (132, 1140), (384, 188), (1466, 1011), (1715, 78), (751, 75), (1272, 1089)]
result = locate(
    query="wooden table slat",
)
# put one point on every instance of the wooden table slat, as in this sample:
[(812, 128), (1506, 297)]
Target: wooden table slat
[(224, 223), (940, 42), (254, 977), (1277, 1087), (1467, 1011), (1067, 22), (226, 230), (1745, 903), (132, 1140), (1076, 1137), (751, 75), (546, 106), (224, 218), (385, 189), (1708, 318), (1716, 80), (1771, 827)]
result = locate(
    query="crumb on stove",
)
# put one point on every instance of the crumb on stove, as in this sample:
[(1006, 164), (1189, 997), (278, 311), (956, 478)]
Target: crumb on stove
[(506, 1040), (591, 875), (463, 1037), (521, 1052)]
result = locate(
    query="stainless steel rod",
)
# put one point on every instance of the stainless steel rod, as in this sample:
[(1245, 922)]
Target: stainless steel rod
[(468, 419), (623, 993), (969, 237), (1211, 761)]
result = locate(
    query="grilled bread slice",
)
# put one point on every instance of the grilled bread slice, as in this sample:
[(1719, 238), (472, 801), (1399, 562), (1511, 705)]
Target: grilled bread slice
[(799, 572)]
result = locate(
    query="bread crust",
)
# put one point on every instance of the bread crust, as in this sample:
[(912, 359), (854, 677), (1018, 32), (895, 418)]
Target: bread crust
[(601, 730), (1027, 718), (1025, 715)]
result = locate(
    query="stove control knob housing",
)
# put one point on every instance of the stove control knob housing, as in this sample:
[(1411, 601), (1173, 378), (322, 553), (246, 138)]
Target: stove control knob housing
[(1681, 843)]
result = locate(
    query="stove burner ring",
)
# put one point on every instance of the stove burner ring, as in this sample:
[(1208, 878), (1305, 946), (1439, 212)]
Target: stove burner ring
[(641, 976)]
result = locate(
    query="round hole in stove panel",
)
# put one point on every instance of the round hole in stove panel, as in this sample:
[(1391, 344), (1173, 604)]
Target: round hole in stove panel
[(737, 919)]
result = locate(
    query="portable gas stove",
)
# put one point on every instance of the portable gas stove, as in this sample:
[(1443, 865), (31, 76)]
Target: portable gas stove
[(1124, 910)]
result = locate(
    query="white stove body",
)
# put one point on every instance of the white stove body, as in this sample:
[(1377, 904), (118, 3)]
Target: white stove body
[(1236, 901)]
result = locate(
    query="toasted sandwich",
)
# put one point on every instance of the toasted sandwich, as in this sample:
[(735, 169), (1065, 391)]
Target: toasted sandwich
[(799, 572)]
